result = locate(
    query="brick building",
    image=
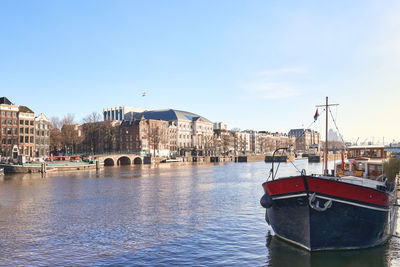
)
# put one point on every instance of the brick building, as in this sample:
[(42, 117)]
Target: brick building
[(9, 127), (145, 137)]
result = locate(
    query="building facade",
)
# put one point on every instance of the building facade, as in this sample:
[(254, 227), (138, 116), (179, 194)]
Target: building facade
[(193, 132), (119, 113), (145, 137), (26, 119), (42, 126), (305, 138), (9, 128)]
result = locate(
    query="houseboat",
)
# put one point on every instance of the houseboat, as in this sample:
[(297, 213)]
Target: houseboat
[(325, 212)]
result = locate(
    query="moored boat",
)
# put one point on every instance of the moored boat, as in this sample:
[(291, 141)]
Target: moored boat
[(323, 212)]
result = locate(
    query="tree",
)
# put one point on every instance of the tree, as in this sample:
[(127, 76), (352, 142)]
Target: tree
[(209, 144), (55, 135), (70, 133), (155, 138), (91, 129)]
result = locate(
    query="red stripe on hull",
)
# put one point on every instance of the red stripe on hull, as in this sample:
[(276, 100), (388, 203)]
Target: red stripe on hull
[(284, 186), (327, 187), (349, 191)]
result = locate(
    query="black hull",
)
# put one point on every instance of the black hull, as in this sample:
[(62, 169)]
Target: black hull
[(314, 159), (344, 225)]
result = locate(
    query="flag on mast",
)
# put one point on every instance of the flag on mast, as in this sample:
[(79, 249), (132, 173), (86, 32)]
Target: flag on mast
[(316, 115)]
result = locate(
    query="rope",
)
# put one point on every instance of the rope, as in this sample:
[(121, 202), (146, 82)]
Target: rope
[(334, 121), (295, 166)]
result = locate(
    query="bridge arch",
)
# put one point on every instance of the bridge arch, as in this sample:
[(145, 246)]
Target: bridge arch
[(109, 162), (137, 160), (124, 160)]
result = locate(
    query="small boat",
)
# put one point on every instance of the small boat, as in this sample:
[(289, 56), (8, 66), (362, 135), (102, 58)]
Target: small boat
[(314, 154), (325, 212)]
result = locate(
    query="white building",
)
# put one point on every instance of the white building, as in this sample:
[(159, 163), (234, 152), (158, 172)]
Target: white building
[(120, 113), (42, 124), (192, 131)]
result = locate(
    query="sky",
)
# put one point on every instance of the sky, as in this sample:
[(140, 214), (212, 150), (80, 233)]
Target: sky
[(261, 65)]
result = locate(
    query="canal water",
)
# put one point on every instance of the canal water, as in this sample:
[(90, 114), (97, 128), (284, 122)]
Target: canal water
[(200, 215)]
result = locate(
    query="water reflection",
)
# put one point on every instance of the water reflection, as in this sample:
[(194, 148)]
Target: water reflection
[(282, 253)]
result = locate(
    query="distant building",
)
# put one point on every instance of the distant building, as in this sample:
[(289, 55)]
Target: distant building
[(146, 137), (305, 138), (220, 126), (119, 113), (9, 127), (26, 144), (193, 132), (42, 125)]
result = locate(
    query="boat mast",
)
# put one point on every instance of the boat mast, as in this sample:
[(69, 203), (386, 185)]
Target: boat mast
[(326, 134), (326, 138)]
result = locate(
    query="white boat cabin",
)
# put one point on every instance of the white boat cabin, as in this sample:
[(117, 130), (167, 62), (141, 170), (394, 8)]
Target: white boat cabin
[(363, 161)]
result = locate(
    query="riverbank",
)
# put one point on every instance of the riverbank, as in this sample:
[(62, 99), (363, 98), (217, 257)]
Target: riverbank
[(153, 162)]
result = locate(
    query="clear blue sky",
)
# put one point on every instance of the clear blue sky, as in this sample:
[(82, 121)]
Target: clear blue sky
[(260, 65)]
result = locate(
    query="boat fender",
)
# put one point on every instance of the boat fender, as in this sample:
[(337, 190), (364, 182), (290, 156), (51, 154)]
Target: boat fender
[(266, 201)]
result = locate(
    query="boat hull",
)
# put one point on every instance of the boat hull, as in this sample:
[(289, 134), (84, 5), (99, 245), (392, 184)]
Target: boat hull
[(319, 221)]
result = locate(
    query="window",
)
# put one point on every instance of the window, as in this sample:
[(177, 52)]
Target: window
[(31, 123), (21, 122), (8, 114), (26, 139), (9, 141), (14, 114), (31, 140), (9, 122), (4, 122), (26, 122), (15, 122), (21, 139), (31, 130), (3, 113), (8, 130), (16, 131), (26, 130)]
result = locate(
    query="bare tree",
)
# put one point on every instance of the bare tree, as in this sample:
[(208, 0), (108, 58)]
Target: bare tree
[(71, 135), (242, 143), (92, 128), (55, 135), (155, 138)]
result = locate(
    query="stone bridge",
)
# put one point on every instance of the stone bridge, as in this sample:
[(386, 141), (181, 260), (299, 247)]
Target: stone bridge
[(120, 159)]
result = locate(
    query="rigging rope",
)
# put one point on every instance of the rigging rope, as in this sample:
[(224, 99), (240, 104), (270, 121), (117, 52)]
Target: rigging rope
[(334, 121)]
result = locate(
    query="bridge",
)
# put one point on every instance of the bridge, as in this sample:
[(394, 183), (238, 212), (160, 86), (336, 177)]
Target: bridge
[(120, 159)]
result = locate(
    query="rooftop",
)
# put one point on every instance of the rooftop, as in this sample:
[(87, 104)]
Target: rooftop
[(169, 115)]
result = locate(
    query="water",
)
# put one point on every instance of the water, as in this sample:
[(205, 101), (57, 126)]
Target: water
[(202, 215)]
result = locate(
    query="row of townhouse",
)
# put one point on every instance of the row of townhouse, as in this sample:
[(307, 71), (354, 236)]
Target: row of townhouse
[(173, 132), (250, 141), (167, 132), (22, 133)]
